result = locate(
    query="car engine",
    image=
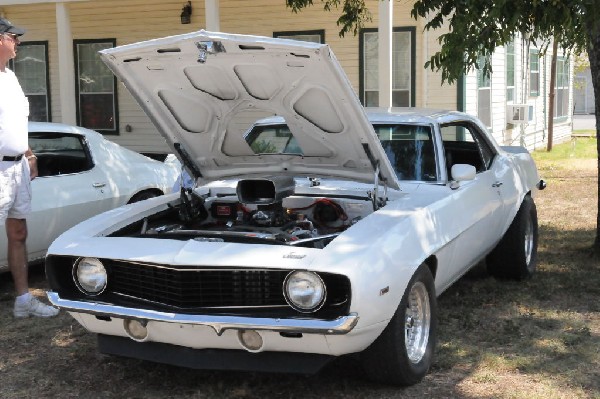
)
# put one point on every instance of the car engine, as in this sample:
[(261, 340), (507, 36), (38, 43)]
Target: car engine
[(263, 210)]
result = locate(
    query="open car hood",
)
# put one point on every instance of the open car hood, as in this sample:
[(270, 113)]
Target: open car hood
[(208, 94)]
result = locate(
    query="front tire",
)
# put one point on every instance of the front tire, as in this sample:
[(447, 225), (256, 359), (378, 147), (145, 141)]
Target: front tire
[(515, 256), (403, 353)]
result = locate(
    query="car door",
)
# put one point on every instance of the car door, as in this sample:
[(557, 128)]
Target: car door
[(479, 203), (70, 188)]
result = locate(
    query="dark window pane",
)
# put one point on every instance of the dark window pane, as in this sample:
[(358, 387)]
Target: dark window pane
[(31, 68), (97, 111), (38, 108), (95, 87), (372, 99), (400, 98)]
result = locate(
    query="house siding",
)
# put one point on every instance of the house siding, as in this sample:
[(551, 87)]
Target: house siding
[(533, 134)]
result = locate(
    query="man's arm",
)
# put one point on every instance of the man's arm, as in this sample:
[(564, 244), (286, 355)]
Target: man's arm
[(32, 159)]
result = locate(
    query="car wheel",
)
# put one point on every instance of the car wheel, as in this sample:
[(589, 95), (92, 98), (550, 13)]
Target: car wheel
[(403, 353), (144, 195), (515, 256)]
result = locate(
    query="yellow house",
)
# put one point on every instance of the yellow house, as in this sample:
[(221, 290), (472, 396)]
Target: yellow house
[(65, 80)]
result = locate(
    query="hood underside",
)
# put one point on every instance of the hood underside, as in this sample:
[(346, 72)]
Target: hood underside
[(213, 95)]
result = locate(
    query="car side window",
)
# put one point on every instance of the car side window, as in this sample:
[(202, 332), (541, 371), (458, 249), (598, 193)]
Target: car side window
[(410, 150), (464, 144), (60, 153)]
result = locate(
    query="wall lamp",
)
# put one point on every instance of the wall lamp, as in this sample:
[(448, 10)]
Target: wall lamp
[(186, 13)]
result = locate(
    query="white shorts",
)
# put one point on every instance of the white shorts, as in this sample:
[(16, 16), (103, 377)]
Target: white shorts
[(15, 189)]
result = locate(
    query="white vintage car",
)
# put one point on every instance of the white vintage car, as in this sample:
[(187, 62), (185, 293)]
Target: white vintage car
[(316, 229), (81, 174)]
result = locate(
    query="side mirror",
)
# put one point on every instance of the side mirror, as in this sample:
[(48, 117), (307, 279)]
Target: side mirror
[(461, 172)]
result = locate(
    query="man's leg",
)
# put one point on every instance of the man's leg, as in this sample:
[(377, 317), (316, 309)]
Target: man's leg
[(16, 231), (26, 304)]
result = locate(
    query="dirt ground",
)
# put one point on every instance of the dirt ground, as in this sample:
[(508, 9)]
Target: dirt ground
[(497, 339)]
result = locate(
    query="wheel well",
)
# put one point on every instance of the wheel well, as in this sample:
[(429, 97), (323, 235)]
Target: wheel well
[(432, 264), (141, 194)]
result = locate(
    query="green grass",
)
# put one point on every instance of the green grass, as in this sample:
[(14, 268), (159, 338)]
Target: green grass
[(577, 148)]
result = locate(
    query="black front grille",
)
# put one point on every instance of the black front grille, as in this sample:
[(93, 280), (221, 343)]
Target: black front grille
[(188, 288), (193, 290), (247, 292)]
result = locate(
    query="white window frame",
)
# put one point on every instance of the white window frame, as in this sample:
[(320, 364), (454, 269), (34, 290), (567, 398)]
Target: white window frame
[(107, 123), (403, 90)]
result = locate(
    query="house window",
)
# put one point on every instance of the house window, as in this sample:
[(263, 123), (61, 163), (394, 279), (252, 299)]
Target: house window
[(315, 36), (484, 94), (403, 67), (31, 68), (534, 73), (96, 87), (561, 105), (510, 71)]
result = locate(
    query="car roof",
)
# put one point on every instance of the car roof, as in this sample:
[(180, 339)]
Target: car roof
[(395, 115), (53, 127)]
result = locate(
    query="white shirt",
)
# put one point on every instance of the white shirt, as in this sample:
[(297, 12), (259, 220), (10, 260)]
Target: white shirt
[(14, 113)]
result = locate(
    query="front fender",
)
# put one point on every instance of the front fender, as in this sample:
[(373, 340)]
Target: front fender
[(380, 255)]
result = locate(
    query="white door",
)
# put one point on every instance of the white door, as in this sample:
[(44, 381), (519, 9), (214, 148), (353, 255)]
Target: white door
[(479, 202), (70, 188)]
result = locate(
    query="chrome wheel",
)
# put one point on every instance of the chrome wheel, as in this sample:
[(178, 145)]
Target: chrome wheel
[(417, 322), (515, 256), (528, 240), (403, 353)]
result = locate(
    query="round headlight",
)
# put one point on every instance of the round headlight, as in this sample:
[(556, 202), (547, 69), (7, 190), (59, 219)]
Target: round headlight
[(304, 291), (90, 276)]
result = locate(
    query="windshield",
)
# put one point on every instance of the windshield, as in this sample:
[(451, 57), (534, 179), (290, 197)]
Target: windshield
[(409, 148)]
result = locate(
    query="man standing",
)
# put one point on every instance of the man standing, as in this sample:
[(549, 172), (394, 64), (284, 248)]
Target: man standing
[(18, 166)]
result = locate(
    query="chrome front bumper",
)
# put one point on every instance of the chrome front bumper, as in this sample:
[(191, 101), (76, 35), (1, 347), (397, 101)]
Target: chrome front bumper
[(339, 326)]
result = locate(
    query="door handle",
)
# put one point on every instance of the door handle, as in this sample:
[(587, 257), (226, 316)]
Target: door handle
[(99, 185), (497, 184)]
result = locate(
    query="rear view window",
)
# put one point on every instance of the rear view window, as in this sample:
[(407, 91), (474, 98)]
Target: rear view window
[(59, 154)]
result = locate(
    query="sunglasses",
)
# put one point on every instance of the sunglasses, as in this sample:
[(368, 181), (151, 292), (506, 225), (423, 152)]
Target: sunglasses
[(12, 36)]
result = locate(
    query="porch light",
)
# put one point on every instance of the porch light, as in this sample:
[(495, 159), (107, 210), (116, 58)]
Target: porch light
[(186, 13)]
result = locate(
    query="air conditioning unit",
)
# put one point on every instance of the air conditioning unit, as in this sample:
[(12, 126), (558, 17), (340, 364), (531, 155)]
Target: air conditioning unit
[(517, 113)]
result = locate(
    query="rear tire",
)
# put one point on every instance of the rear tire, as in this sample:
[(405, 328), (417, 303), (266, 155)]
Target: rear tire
[(515, 256), (403, 353)]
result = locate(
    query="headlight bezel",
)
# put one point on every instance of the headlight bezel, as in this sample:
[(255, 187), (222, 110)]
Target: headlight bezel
[(294, 303), (77, 277)]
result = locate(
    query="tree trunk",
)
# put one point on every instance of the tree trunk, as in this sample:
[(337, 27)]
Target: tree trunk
[(552, 96), (594, 56)]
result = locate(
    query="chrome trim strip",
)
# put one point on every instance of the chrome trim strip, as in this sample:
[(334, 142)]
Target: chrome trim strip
[(339, 326)]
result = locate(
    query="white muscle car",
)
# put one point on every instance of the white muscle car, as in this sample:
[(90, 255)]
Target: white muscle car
[(316, 229), (81, 174)]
